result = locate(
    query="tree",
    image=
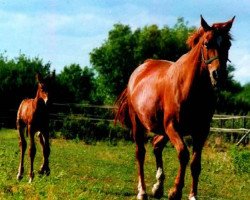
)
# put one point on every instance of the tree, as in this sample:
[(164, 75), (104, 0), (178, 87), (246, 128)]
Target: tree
[(114, 61), (18, 78), (124, 50), (75, 84), (17, 82), (232, 97), (245, 93)]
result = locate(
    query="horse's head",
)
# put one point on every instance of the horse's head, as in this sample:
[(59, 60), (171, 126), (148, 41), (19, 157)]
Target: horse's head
[(215, 46), (223, 31), (44, 86)]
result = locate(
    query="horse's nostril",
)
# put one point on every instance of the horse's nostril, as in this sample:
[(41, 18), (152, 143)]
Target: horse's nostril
[(215, 74)]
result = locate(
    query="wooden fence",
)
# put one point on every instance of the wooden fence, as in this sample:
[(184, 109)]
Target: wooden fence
[(236, 126), (229, 124)]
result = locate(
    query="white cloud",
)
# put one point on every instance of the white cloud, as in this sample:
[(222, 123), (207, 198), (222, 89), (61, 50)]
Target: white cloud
[(65, 32), (241, 61)]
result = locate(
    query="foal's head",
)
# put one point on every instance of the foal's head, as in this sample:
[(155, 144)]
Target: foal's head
[(215, 44), (44, 86)]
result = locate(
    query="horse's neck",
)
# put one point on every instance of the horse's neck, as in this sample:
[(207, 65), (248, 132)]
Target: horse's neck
[(190, 70), (37, 97)]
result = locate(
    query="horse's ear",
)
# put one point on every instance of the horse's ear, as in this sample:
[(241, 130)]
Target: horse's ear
[(228, 25), (39, 77), (204, 25)]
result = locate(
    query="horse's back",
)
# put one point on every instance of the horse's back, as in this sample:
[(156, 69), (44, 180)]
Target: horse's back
[(148, 71), (25, 111)]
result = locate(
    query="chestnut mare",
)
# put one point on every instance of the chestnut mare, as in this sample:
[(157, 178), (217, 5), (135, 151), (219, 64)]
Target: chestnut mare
[(33, 115), (174, 99)]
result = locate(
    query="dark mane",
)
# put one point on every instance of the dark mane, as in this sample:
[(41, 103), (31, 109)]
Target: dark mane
[(193, 39), (226, 35)]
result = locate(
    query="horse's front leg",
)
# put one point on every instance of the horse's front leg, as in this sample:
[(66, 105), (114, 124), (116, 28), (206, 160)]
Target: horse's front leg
[(196, 166), (32, 153), (183, 155), (22, 146), (195, 171), (159, 143), (44, 141)]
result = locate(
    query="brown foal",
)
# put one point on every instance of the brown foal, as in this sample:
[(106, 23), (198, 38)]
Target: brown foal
[(33, 115)]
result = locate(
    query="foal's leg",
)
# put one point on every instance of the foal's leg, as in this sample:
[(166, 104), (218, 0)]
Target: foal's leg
[(196, 166), (22, 146), (183, 155), (159, 142), (32, 152), (44, 141)]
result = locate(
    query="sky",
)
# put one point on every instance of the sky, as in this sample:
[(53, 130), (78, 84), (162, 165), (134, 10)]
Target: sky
[(64, 32)]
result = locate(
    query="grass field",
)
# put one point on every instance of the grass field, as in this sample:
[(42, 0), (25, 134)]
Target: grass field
[(104, 171)]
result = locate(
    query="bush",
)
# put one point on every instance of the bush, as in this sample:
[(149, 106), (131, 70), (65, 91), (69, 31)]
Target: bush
[(240, 159), (90, 130)]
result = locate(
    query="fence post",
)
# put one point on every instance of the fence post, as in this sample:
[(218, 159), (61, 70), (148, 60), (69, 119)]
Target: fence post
[(244, 122)]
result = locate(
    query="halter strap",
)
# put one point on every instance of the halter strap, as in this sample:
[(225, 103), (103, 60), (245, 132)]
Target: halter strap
[(210, 60)]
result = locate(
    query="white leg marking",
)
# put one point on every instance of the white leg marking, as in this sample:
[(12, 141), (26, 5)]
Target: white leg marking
[(30, 180), (141, 191), (192, 198), (159, 173), (159, 181)]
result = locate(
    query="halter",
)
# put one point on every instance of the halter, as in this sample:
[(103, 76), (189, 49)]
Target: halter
[(208, 61)]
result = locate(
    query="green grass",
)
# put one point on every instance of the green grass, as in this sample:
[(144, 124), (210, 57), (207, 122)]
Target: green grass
[(103, 171)]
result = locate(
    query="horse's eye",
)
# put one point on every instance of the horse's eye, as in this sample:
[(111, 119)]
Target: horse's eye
[(43, 88), (206, 45)]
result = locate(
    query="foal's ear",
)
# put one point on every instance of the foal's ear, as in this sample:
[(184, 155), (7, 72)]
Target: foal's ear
[(39, 77), (204, 25)]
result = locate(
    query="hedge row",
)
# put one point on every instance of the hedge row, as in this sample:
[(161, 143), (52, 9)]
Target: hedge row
[(91, 130)]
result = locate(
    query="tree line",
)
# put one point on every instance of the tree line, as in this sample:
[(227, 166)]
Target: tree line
[(111, 65)]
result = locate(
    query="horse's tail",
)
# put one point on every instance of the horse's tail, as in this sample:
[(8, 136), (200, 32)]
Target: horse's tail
[(122, 113)]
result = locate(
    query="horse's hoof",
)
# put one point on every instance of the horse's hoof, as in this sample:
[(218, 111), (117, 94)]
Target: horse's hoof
[(44, 171), (31, 179), (47, 173), (157, 191), (41, 172), (174, 194), (32, 175), (19, 177), (142, 196), (192, 198)]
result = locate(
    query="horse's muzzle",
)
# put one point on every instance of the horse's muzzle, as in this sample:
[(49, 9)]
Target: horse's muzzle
[(214, 76)]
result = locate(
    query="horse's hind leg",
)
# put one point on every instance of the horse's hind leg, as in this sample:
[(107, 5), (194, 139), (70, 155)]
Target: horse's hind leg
[(44, 141), (140, 156), (32, 152), (139, 133), (159, 142), (22, 146)]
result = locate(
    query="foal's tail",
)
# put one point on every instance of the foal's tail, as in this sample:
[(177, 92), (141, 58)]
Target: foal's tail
[(122, 114)]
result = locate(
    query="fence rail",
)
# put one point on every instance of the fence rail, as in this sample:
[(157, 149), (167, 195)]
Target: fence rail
[(220, 123)]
